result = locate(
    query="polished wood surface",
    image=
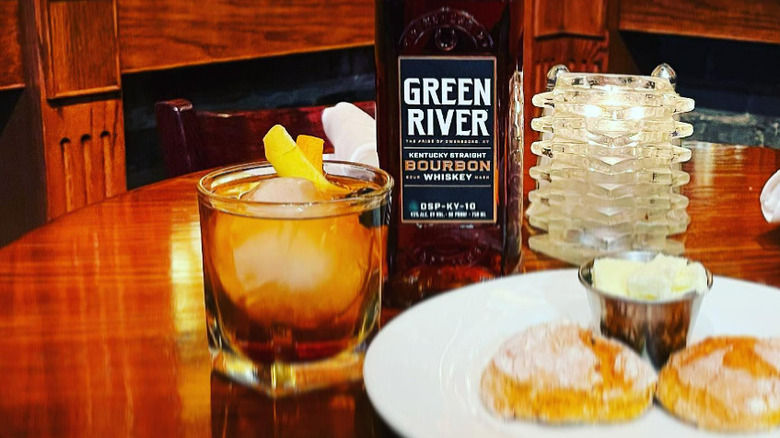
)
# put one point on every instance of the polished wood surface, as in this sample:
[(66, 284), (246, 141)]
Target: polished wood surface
[(11, 75), (171, 33), (754, 20), (103, 321)]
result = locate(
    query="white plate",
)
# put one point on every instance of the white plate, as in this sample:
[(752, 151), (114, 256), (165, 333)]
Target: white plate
[(422, 371)]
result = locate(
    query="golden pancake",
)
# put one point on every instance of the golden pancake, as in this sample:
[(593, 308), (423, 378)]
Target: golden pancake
[(727, 384), (562, 373)]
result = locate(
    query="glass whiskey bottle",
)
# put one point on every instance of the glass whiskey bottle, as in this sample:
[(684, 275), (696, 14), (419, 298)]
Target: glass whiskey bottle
[(449, 130)]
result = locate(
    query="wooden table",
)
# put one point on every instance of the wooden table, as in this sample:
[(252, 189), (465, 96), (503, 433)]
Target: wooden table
[(102, 321)]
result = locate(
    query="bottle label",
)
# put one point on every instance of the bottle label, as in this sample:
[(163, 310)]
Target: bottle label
[(448, 139)]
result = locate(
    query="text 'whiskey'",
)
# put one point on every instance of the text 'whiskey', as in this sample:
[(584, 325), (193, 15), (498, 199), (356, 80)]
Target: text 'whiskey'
[(449, 130)]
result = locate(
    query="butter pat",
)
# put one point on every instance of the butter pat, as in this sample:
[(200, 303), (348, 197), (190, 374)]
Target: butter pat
[(691, 277), (611, 275), (661, 278)]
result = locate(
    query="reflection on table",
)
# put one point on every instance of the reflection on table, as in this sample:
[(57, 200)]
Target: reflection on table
[(103, 319)]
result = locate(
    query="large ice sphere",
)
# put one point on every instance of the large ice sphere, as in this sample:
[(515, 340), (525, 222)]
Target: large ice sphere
[(285, 190), (296, 272)]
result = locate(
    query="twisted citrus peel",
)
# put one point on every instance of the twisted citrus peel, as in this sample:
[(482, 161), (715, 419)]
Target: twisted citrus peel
[(298, 160)]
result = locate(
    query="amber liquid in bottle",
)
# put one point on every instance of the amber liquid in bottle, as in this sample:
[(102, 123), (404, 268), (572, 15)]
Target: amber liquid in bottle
[(449, 97)]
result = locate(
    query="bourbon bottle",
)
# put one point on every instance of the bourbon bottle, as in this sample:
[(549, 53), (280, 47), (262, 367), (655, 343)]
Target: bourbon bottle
[(449, 130)]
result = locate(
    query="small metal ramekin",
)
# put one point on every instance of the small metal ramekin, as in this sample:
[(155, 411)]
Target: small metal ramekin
[(654, 329)]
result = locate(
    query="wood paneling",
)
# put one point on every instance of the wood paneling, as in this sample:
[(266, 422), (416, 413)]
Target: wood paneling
[(156, 34), (85, 154), (620, 58), (569, 17), (82, 54), (81, 140), (754, 20), (569, 32), (11, 75), (104, 326)]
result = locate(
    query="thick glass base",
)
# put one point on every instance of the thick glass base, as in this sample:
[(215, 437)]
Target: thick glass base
[(281, 379), (577, 254)]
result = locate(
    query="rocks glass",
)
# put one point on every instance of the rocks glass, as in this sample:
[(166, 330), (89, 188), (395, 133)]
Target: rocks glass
[(292, 289)]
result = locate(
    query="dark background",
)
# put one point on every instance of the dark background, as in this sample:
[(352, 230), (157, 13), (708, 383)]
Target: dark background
[(736, 87)]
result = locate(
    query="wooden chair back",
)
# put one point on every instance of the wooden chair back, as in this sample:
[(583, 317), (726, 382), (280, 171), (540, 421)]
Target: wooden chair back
[(193, 140)]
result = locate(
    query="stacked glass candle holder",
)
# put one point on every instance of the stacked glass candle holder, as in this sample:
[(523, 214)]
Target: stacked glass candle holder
[(609, 167)]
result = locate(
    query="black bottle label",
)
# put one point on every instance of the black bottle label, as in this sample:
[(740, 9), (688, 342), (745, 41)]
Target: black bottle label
[(448, 139)]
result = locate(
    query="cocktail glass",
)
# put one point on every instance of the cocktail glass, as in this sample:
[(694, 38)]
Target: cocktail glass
[(292, 289)]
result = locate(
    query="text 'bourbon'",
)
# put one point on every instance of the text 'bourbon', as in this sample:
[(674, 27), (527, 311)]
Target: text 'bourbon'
[(449, 128)]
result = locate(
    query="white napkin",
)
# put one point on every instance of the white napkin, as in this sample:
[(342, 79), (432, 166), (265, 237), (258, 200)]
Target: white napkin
[(352, 133), (770, 199)]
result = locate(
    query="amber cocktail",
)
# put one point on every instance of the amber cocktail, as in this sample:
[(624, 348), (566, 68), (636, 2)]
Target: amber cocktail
[(292, 276)]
